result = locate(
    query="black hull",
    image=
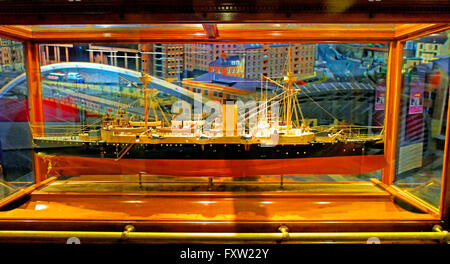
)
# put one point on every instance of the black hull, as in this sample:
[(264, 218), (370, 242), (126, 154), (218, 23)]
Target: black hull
[(210, 151)]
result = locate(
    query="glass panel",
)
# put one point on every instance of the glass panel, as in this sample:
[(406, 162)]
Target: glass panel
[(15, 138), (227, 112), (6, 189), (423, 116)]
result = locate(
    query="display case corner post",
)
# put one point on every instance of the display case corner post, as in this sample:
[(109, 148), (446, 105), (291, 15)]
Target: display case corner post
[(33, 74), (35, 106), (445, 189), (393, 94)]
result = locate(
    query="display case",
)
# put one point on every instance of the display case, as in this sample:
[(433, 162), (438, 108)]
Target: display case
[(220, 132)]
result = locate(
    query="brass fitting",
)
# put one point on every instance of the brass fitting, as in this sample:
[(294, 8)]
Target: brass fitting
[(445, 238), (126, 231), (284, 232)]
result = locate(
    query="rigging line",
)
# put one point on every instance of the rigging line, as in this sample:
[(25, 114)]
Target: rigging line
[(284, 107), (312, 100), (152, 105), (273, 98), (300, 109), (261, 109), (154, 99), (164, 108), (250, 114), (130, 83), (164, 115), (274, 82), (94, 122), (285, 64), (145, 131), (159, 106), (125, 151), (262, 82), (134, 102), (153, 109), (296, 115), (86, 126), (262, 89)]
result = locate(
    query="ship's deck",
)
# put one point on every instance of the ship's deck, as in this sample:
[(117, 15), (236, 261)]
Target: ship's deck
[(190, 139)]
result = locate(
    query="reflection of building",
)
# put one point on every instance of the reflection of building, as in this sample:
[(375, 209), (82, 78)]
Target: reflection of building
[(411, 62), (199, 56), (11, 56), (275, 63), (377, 53), (55, 53), (423, 121), (253, 60), (267, 59), (228, 65), (370, 52), (429, 48), (147, 58), (219, 86), (409, 50), (125, 56), (168, 60), (437, 89), (348, 102)]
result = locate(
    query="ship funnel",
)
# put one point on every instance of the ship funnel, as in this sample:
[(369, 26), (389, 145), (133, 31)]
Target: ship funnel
[(229, 120)]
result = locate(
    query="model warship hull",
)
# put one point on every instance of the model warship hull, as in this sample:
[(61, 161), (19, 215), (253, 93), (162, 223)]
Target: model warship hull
[(208, 151), (212, 160)]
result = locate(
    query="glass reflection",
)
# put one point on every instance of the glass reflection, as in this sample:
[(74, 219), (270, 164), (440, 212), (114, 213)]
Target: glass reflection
[(309, 112), (423, 116), (15, 143)]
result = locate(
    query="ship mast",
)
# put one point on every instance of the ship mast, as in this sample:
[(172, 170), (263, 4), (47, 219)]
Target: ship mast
[(289, 95), (145, 79), (290, 79)]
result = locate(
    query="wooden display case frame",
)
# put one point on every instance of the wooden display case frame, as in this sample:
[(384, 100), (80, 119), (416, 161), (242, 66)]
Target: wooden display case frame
[(214, 30)]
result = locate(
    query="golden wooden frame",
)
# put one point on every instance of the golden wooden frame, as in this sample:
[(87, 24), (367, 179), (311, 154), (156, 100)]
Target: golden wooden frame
[(212, 33)]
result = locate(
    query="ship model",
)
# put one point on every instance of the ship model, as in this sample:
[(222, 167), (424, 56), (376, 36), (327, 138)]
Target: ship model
[(273, 146)]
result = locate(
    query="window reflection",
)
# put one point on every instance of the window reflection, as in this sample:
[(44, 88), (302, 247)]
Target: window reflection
[(423, 116), (337, 95), (15, 143)]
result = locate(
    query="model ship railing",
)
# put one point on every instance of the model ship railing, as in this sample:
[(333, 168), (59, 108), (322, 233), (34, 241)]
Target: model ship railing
[(66, 130), (353, 131), (339, 132)]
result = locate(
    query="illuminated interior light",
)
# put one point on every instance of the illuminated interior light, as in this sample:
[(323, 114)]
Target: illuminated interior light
[(206, 202), (133, 201), (40, 207)]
